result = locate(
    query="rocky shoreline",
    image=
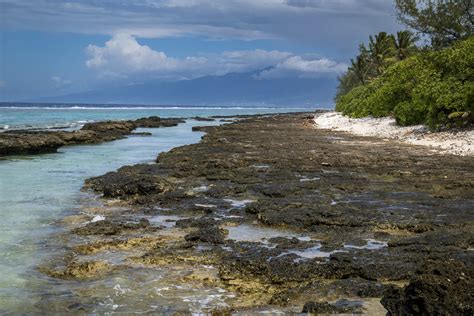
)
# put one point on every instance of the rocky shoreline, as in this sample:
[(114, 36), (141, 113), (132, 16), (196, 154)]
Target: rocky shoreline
[(278, 216), (23, 142)]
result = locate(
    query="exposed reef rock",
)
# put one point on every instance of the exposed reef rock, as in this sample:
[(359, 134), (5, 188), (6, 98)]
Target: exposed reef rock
[(139, 180), (110, 228), (155, 122), (204, 119), (291, 218), (439, 288), (326, 308), (36, 142)]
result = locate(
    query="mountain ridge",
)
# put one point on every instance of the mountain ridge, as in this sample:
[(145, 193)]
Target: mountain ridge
[(231, 89)]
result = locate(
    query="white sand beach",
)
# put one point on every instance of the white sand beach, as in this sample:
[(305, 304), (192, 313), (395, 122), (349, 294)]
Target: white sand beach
[(452, 142)]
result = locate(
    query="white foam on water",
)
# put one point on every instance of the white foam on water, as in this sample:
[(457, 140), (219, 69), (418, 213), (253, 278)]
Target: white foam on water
[(119, 290), (161, 208), (238, 203), (261, 166), (305, 238), (309, 179), (205, 205), (226, 248), (372, 244), (202, 188), (98, 218)]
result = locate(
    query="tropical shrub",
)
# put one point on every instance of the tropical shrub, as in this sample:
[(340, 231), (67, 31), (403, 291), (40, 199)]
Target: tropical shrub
[(382, 51), (433, 88)]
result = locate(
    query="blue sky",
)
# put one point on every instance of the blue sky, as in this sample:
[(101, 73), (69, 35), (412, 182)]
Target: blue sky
[(51, 47)]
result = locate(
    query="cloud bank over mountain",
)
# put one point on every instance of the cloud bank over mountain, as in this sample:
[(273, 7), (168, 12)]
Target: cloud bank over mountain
[(232, 89), (123, 56)]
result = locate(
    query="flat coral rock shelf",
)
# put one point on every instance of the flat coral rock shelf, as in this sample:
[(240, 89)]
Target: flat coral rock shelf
[(21, 142), (270, 214)]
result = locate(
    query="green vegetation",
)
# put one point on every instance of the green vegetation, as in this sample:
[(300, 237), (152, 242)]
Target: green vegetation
[(432, 86), (443, 21), (383, 50), (435, 88)]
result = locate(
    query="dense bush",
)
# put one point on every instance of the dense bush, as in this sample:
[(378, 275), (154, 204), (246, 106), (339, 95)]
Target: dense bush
[(382, 51), (434, 88)]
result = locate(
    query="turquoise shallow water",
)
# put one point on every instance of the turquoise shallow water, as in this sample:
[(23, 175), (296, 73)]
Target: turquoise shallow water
[(36, 191)]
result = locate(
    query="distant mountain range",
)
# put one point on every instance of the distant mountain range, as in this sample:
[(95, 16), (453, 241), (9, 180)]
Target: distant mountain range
[(233, 89)]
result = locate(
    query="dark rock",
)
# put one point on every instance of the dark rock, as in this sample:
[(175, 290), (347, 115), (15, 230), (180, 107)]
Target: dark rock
[(111, 127), (107, 227), (202, 222), (203, 119), (127, 181), (342, 307), (29, 143), (440, 288), (201, 128), (155, 122), (210, 234), (141, 134)]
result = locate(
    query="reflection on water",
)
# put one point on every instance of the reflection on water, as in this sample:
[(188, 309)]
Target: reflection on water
[(256, 233)]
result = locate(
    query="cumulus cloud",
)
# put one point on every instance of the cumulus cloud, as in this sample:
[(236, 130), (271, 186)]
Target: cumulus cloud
[(123, 56), (297, 66)]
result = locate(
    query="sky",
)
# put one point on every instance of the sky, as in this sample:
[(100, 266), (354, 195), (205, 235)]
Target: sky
[(52, 47)]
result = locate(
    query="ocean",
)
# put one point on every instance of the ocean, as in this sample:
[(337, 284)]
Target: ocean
[(72, 116), (37, 191)]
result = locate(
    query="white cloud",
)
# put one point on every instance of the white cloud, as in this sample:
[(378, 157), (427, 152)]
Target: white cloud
[(123, 56), (298, 66)]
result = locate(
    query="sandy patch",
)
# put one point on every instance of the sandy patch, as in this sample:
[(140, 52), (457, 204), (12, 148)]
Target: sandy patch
[(452, 142)]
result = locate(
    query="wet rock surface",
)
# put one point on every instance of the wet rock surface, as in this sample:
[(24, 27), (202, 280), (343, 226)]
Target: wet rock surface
[(291, 218), (36, 142)]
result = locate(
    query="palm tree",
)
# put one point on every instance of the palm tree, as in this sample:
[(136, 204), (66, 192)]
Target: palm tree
[(404, 44), (380, 50), (359, 68)]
